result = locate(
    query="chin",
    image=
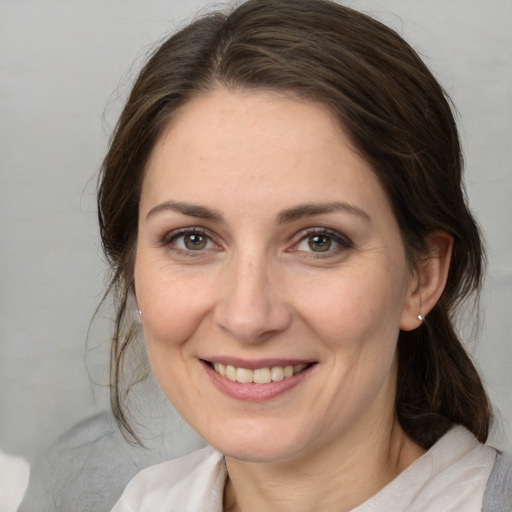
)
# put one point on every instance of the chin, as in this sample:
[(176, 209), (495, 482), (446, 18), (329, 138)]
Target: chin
[(261, 453), (259, 443)]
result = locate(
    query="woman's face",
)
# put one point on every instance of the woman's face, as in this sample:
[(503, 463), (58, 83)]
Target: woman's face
[(271, 276)]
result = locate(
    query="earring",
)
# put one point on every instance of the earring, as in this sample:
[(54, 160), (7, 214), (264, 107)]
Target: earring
[(420, 318), (139, 312)]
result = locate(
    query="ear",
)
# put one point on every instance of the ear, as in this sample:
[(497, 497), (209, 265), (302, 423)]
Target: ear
[(428, 280)]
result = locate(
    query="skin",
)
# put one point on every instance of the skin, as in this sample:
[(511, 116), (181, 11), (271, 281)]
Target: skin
[(255, 290)]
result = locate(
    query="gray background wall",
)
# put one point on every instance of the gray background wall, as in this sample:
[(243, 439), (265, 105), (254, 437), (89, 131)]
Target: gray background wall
[(65, 67)]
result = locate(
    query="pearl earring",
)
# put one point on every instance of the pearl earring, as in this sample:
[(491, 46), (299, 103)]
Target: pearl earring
[(420, 318)]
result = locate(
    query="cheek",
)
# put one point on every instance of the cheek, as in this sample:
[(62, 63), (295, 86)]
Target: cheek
[(173, 309), (355, 307), (172, 305)]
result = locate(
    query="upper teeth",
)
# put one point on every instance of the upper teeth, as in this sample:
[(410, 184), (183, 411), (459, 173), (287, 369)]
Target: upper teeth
[(260, 375)]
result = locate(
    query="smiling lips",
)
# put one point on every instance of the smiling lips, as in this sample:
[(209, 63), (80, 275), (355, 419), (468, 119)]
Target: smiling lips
[(264, 381), (258, 375)]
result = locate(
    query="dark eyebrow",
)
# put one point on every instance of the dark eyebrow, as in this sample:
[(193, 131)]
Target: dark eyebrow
[(310, 209), (288, 215), (189, 209)]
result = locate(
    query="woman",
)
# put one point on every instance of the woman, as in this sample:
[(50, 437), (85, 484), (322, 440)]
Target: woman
[(282, 200)]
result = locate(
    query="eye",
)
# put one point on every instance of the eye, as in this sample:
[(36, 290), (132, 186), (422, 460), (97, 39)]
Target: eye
[(193, 241), (322, 241), (187, 240)]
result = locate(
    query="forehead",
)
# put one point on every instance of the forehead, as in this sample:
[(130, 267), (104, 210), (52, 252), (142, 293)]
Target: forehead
[(265, 148), (245, 119)]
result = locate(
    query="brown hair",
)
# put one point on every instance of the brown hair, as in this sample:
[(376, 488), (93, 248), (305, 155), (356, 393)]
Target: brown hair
[(398, 118)]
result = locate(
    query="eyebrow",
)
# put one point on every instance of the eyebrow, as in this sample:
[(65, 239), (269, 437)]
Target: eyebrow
[(311, 209), (283, 217), (192, 210)]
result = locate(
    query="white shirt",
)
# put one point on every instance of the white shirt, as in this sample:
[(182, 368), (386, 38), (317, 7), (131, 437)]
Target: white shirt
[(450, 477), (14, 476)]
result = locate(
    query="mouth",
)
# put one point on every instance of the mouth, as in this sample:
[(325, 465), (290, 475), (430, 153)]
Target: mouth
[(263, 375)]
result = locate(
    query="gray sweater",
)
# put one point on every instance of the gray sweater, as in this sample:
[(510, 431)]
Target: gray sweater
[(498, 493)]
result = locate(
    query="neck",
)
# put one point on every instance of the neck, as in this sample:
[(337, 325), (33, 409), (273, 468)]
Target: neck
[(337, 477)]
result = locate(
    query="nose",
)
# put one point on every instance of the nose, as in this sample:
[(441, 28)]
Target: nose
[(251, 307)]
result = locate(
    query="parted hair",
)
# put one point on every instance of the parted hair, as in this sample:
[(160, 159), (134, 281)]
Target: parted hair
[(398, 118)]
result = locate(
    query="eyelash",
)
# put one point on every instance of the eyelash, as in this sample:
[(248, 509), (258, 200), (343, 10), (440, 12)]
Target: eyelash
[(169, 241), (343, 242)]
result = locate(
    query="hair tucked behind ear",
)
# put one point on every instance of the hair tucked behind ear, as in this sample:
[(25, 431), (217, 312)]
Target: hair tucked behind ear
[(438, 384), (398, 118)]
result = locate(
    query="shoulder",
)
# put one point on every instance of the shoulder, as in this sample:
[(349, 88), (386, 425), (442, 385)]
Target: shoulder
[(498, 493), (186, 483), (89, 466)]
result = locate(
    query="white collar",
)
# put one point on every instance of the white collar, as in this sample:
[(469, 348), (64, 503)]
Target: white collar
[(450, 477)]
